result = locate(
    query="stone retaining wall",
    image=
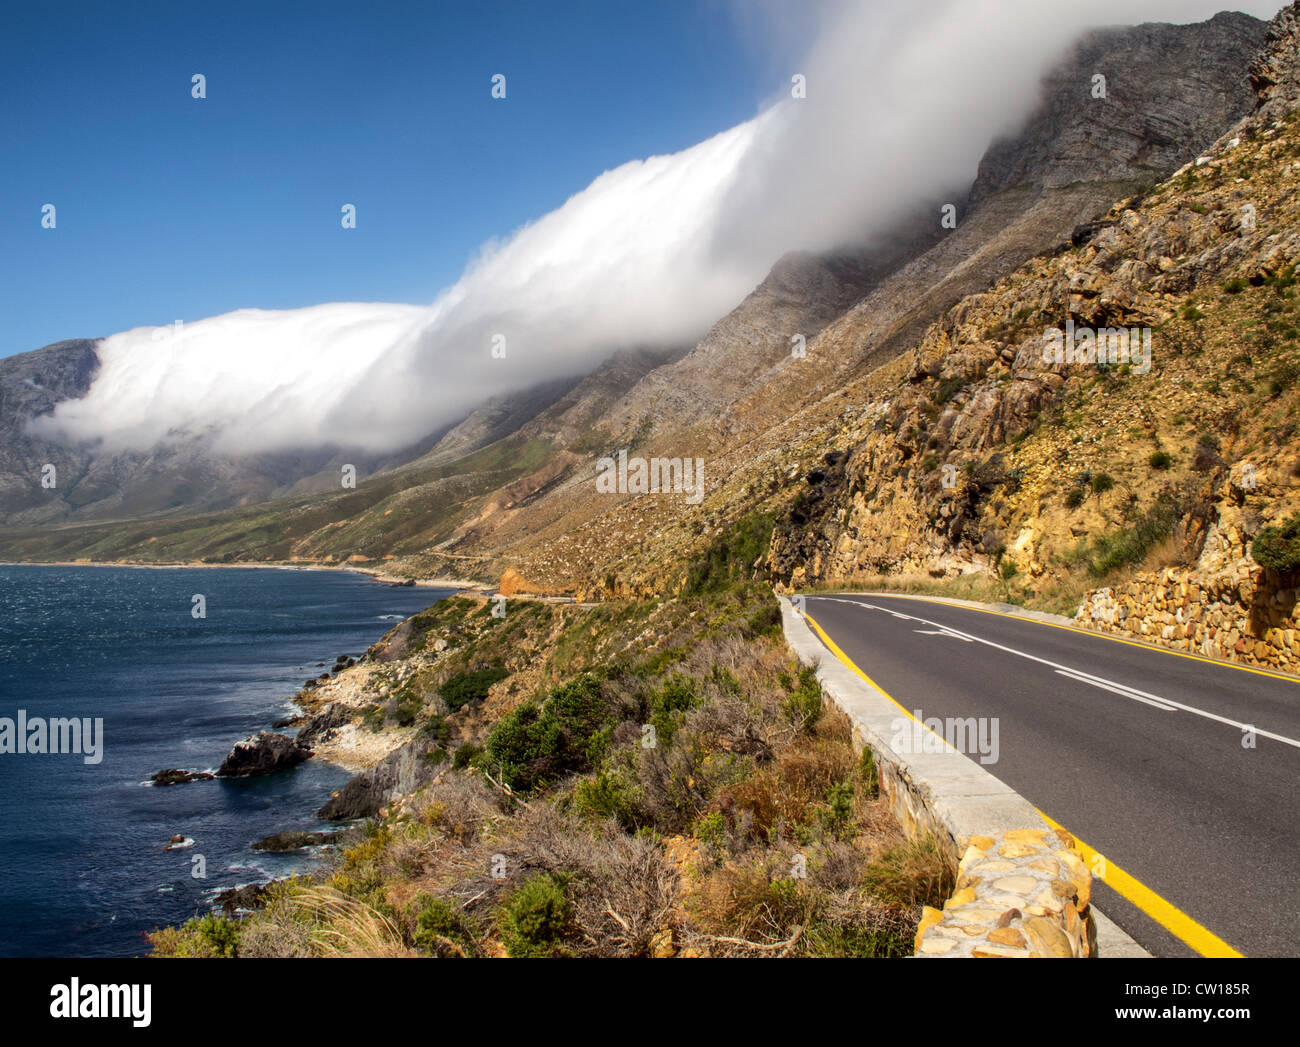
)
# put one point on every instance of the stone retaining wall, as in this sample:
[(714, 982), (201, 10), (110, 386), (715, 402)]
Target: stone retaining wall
[(1022, 893), (1233, 613)]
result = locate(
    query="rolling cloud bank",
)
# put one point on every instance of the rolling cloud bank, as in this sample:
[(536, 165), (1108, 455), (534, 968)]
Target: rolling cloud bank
[(902, 100)]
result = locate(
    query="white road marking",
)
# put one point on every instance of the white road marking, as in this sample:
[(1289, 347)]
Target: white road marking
[(1137, 696), (943, 632), (1087, 677)]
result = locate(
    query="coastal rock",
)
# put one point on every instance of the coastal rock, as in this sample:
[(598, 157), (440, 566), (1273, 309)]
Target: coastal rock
[(293, 840), (323, 726), (401, 771), (175, 776), (263, 753), (245, 897)]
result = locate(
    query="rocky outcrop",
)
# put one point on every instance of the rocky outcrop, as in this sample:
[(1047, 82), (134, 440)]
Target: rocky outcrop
[(244, 898), (1170, 90), (176, 776), (983, 455), (1275, 74), (293, 840), (263, 753), (400, 772), (324, 725)]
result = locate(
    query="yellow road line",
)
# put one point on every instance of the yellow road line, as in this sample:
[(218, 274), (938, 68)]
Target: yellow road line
[(1169, 916), (1079, 631), (1165, 913)]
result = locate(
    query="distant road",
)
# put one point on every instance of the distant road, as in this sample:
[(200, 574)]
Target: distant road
[(1135, 750)]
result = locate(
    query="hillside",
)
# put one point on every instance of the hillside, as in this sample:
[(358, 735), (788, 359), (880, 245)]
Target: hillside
[(527, 501)]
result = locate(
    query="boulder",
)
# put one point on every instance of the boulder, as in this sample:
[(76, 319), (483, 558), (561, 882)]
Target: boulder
[(244, 898), (263, 753), (292, 840), (175, 776)]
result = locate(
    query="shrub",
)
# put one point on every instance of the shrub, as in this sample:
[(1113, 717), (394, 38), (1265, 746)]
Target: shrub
[(534, 745), (878, 933), (910, 873), (869, 773), (202, 937), (732, 555), (1284, 377), (1159, 460), (1278, 548), (1102, 482), (766, 621), (439, 928), (463, 688), (608, 795), (670, 704), (947, 389), (805, 701), (839, 801), (535, 918), (1075, 498), (465, 755), (1131, 544)]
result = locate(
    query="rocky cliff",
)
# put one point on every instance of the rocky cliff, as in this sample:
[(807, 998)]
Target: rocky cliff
[(987, 456)]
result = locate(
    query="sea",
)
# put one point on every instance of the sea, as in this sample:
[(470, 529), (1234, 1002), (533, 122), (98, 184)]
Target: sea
[(85, 864)]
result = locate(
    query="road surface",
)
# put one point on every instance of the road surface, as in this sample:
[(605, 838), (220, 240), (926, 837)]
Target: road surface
[(1141, 753)]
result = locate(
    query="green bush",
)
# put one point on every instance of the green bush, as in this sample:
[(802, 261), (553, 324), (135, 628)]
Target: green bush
[(1102, 482), (1159, 460), (609, 795), (1075, 498), (670, 704), (732, 555), (805, 701), (947, 389), (465, 755), (534, 919), (439, 928), (892, 938), (766, 621), (202, 937), (1278, 548), (463, 688), (839, 802), (869, 773), (535, 745), (1130, 545)]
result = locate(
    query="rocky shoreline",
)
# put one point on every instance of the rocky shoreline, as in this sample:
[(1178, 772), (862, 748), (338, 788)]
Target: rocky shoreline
[(328, 713)]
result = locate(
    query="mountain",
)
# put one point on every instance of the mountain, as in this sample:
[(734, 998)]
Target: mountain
[(487, 498)]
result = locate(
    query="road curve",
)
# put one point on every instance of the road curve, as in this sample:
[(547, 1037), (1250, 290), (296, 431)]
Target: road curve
[(1142, 753)]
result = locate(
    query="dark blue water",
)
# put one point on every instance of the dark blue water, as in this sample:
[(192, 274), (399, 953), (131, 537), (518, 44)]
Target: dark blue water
[(83, 870)]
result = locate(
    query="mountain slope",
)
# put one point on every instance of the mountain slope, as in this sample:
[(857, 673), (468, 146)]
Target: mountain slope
[(739, 399)]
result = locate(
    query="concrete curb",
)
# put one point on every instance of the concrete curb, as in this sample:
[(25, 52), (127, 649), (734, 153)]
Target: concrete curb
[(945, 794)]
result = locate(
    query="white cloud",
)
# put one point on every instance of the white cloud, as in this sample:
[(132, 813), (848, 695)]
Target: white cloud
[(903, 98)]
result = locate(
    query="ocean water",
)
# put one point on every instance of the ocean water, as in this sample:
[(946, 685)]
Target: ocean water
[(83, 865)]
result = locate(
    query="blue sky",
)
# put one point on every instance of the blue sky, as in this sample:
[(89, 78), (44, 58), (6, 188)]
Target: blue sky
[(174, 208)]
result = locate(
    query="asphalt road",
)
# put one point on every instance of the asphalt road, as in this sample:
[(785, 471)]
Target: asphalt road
[(1158, 781)]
